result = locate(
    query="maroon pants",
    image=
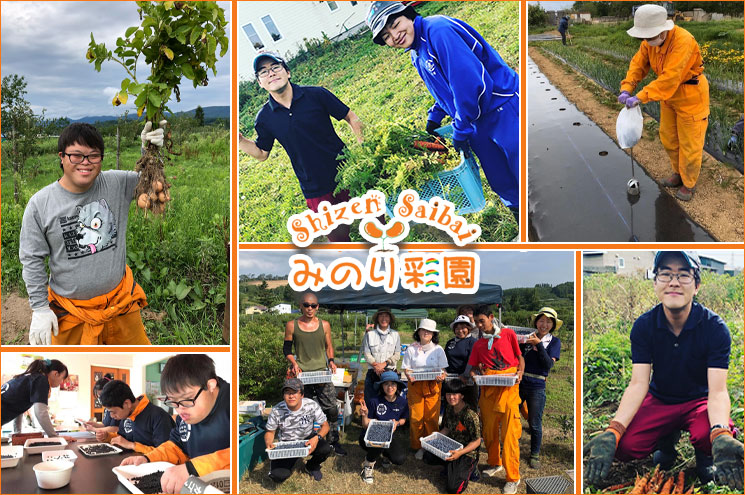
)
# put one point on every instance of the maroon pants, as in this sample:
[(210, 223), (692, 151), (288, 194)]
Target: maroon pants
[(655, 419), (341, 233)]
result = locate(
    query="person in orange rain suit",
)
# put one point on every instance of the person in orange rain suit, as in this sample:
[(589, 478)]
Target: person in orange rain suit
[(681, 88), (200, 442), (497, 352), (424, 395), (78, 227)]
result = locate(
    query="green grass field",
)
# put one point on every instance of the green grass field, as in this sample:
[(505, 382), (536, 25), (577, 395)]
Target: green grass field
[(179, 259), (611, 304), (380, 85)]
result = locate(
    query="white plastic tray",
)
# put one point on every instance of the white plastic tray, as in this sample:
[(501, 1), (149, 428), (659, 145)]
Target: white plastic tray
[(313, 377), (84, 449), (254, 407), (125, 473), (278, 452), (379, 445), (434, 450), (425, 375), (16, 451), (30, 449), (495, 380)]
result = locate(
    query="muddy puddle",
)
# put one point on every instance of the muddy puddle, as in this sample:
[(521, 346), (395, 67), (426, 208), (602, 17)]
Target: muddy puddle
[(577, 179)]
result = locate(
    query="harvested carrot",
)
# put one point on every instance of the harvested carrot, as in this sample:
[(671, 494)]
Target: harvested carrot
[(614, 488), (655, 481), (680, 483), (667, 487), (428, 145), (690, 490), (640, 486)]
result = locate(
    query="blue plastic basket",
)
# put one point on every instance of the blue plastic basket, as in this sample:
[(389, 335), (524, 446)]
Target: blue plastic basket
[(461, 185)]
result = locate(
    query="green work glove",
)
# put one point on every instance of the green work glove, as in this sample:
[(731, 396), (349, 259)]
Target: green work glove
[(599, 453), (728, 457)]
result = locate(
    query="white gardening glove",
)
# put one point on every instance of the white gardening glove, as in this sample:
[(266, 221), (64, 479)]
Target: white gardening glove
[(156, 136), (43, 320)]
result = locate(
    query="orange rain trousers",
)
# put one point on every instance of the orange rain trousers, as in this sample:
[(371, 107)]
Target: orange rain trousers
[(112, 318), (501, 427), (684, 108), (424, 410)]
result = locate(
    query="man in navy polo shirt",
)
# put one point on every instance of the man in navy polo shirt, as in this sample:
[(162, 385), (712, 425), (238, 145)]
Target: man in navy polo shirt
[(685, 348), (143, 426), (299, 118)]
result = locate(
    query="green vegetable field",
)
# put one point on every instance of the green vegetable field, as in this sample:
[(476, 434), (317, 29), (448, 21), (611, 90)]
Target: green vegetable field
[(382, 87)]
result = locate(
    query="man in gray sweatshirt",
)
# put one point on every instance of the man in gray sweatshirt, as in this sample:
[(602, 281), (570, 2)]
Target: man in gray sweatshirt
[(78, 225)]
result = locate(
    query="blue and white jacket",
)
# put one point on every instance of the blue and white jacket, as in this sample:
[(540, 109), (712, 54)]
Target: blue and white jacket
[(466, 76)]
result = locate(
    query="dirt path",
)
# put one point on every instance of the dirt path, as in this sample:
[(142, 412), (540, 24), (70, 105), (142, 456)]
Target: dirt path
[(16, 318), (718, 201)]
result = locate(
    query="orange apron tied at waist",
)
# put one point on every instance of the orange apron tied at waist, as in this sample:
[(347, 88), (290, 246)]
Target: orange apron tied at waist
[(125, 298)]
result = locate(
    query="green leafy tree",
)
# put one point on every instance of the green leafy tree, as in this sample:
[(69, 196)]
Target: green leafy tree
[(20, 127), (199, 115), (537, 16)]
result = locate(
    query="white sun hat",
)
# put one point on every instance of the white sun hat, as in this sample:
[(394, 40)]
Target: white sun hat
[(649, 21), (427, 324)]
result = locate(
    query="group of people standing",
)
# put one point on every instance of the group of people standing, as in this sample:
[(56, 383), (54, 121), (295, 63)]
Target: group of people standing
[(481, 345)]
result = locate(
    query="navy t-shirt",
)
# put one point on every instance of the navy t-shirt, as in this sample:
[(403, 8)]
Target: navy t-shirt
[(383, 410), (534, 365), (307, 135), (679, 364), (458, 353), (152, 426), (209, 435), (21, 392)]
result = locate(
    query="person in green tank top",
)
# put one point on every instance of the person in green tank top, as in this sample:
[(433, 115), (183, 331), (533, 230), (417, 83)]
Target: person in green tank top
[(314, 351)]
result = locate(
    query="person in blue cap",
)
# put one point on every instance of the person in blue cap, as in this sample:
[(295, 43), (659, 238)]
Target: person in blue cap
[(563, 28), (685, 349), (299, 117), (469, 81)]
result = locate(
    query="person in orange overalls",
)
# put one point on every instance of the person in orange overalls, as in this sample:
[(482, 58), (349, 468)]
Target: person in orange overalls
[(497, 352), (681, 88)]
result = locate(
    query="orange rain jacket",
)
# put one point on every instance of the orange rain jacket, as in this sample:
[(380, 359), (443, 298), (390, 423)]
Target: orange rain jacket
[(125, 298)]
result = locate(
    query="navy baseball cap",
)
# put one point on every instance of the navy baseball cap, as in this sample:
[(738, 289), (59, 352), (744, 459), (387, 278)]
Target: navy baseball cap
[(269, 55), (689, 257)]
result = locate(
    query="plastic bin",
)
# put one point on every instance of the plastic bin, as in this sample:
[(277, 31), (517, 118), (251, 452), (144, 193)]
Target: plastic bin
[(375, 423), (548, 484), (285, 450), (16, 453), (313, 377), (450, 444), (495, 380), (456, 376), (461, 185), (251, 447), (251, 407), (426, 375)]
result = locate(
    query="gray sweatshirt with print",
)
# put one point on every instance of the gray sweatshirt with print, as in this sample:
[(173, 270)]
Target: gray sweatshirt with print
[(82, 235)]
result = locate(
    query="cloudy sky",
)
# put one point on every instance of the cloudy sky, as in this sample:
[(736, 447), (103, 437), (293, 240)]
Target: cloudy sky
[(46, 43), (506, 268)]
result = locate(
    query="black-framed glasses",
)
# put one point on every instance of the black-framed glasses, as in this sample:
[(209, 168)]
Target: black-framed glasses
[(266, 70), (183, 403), (77, 158), (310, 305), (684, 278)]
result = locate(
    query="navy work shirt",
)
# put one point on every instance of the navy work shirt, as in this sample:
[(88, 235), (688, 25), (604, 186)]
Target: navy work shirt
[(534, 364), (151, 426), (383, 410), (21, 392), (209, 435), (458, 354), (679, 364), (307, 135)]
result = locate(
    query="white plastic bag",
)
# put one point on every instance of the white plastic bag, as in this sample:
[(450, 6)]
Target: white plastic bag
[(629, 126)]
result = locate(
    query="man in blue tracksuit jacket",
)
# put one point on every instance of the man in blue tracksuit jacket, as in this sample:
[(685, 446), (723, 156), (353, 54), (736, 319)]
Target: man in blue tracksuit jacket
[(469, 81)]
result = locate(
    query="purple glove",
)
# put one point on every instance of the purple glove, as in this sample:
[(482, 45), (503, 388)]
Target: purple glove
[(632, 102), (623, 97)]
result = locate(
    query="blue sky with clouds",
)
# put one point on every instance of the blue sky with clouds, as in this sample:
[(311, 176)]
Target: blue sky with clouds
[(46, 43), (506, 268)]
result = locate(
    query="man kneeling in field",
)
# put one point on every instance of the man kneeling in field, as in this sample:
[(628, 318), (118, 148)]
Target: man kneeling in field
[(294, 418), (78, 225), (685, 347), (200, 442)]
